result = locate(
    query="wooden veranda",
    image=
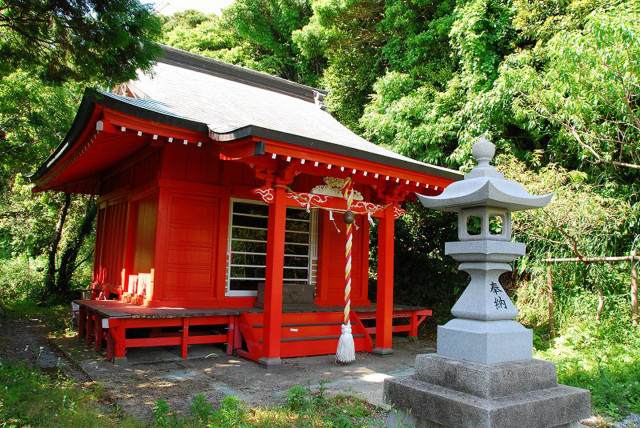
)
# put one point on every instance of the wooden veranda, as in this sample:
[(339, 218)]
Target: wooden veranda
[(121, 326)]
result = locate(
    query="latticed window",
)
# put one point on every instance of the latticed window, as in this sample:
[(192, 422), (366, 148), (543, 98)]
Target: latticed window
[(247, 252)]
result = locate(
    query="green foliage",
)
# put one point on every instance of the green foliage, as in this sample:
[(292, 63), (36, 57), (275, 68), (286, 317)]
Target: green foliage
[(31, 398), (583, 218), (587, 90), (203, 34), (417, 39), (27, 222), (481, 36), (302, 408), (21, 278), (162, 414), (346, 34), (62, 41), (435, 118), (297, 398), (231, 412), (200, 409), (252, 33), (34, 117), (28, 228), (601, 356)]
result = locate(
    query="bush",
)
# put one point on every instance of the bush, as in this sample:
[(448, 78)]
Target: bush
[(200, 409), (297, 398), (601, 356), (21, 278)]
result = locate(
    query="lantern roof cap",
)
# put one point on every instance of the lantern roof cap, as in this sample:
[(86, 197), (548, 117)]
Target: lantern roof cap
[(483, 186)]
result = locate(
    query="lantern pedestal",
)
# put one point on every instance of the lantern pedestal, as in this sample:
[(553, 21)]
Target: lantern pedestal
[(486, 342), (448, 392)]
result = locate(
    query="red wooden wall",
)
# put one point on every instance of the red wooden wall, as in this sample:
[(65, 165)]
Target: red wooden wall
[(110, 243), (144, 213), (118, 211), (192, 248), (166, 213)]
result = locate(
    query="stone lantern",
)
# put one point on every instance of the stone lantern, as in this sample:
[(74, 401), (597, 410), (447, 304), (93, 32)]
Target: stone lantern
[(484, 313), (484, 374)]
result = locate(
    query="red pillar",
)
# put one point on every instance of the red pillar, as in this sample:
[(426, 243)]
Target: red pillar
[(384, 309), (185, 337), (273, 280)]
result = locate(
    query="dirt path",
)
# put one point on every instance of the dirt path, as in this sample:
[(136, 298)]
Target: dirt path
[(159, 373), (26, 340)]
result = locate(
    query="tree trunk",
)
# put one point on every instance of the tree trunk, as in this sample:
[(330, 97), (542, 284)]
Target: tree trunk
[(50, 276), (69, 255)]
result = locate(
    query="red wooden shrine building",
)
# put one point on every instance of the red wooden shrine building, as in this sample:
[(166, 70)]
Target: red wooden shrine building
[(219, 219)]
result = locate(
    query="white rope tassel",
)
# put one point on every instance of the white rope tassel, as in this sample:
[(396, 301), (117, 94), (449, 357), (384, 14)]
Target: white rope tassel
[(346, 348), (370, 218)]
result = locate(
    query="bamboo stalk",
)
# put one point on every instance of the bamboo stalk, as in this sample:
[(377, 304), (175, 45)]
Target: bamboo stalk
[(600, 302), (550, 290), (634, 289)]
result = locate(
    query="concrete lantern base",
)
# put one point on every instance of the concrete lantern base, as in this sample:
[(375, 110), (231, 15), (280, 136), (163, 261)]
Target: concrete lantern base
[(485, 342), (447, 392)]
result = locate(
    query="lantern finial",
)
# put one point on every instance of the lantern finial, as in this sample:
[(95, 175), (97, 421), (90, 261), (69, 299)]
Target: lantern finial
[(483, 150)]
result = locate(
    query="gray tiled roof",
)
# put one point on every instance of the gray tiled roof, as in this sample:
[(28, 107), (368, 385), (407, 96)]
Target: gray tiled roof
[(232, 100)]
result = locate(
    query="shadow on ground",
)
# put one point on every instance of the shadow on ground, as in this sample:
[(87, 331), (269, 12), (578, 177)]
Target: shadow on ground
[(154, 373)]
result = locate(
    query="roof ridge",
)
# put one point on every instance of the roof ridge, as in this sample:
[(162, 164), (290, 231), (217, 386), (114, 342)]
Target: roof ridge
[(200, 63)]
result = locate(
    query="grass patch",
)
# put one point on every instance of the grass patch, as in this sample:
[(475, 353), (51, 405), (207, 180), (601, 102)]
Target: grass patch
[(29, 397), (302, 408), (603, 357)]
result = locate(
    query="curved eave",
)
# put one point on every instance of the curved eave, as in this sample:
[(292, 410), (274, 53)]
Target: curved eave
[(296, 140), (87, 114), (454, 198), (261, 132), (84, 116)]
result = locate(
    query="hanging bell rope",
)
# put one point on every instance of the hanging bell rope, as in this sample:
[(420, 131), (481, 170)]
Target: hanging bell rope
[(346, 352)]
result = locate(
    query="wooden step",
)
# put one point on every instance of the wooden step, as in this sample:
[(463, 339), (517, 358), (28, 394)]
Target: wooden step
[(310, 324), (302, 334), (312, 338)]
